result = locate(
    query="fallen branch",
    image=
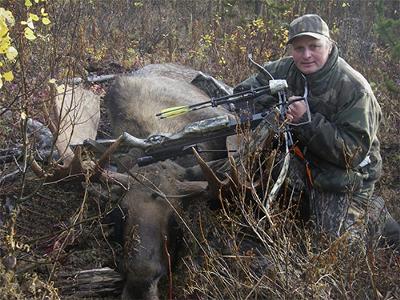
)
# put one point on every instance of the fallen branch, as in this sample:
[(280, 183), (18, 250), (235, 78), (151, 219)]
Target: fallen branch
[(90, 283)]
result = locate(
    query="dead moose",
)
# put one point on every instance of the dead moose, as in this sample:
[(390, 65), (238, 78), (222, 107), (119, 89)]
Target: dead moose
[(156, 193), (151, 205)]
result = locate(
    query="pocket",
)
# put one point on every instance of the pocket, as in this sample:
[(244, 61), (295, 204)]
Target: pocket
[(337, 180)]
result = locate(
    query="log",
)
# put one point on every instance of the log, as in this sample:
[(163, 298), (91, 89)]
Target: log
[(89, 283)]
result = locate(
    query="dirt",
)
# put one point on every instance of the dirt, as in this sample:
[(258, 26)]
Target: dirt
[(63, 228)]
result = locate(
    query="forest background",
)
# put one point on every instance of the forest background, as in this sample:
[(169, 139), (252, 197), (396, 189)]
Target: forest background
[(47, 40)]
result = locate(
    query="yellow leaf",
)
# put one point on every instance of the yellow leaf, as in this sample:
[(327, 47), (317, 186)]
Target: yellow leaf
[(23, 115), (28, 3), (36, 1), (52, 80), (8, 76), (46, 21), (8, 16), (29, 23), (1, 83), (29, 34), (60, 89), (3, 28), (43, 12), (11, 53), (34, 17), (5, 44)]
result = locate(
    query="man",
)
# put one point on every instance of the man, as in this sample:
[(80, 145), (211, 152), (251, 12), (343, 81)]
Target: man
[(339, 144)]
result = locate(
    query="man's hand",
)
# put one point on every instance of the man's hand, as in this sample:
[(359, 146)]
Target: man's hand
[(296, 110)]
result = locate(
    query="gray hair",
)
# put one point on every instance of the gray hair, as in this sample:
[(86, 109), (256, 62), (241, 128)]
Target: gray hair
[(327, 41)]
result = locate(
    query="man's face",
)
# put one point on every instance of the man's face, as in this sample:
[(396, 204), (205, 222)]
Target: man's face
[(310, 54)]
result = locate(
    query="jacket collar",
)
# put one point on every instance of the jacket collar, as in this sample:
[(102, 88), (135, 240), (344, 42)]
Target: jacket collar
[(319, 81)]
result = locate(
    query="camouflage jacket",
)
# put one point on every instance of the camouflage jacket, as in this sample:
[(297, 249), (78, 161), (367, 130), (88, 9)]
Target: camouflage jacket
[(341, 142)]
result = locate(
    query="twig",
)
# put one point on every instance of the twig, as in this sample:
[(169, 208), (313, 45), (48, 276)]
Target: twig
[(169, 267), (10, 177)]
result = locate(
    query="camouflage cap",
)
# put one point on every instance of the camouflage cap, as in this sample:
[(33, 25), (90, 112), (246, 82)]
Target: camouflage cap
[(311, 25)]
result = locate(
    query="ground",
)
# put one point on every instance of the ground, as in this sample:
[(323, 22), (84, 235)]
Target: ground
[(59, 231)]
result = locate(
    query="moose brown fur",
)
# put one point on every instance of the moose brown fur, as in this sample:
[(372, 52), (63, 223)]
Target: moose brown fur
[(133, 102), (150, 229)]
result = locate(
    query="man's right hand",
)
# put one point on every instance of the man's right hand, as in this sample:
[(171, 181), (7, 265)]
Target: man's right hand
[(296, 110)]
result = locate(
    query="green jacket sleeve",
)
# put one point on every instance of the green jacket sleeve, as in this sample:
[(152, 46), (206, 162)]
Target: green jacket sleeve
[(345, 139)]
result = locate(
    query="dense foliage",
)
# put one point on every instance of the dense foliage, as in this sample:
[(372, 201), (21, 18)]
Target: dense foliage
[(42, 41)]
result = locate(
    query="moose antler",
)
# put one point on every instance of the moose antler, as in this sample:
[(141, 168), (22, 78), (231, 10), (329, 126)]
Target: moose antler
[(249, 170), (73, 116)]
